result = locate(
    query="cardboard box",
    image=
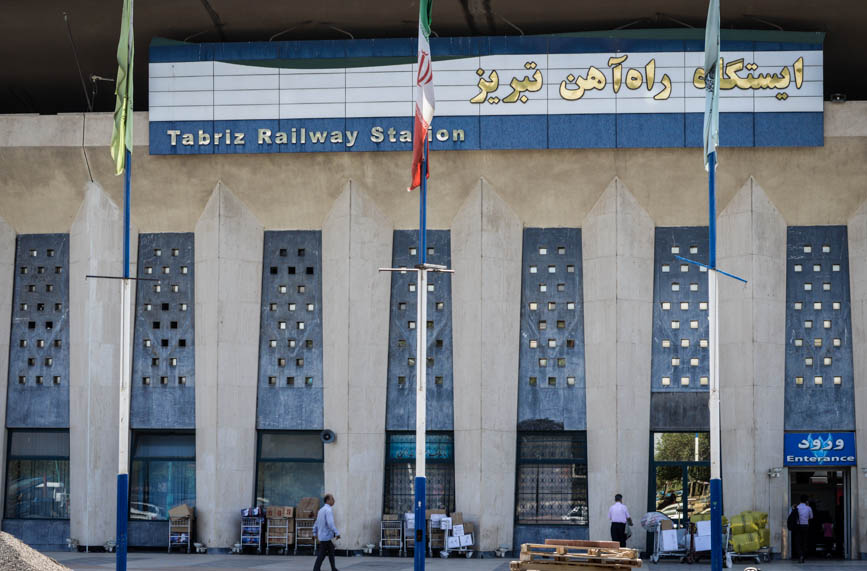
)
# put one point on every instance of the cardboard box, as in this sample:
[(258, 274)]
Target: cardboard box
[(468, 527), (307, 508), (429, 513), (702, 542), (453, 542), (445, 523), (390, 517), (279, 511), (703, 528), (290, 538), (182, 510), (457, 529), (466, 540), (457, 518)]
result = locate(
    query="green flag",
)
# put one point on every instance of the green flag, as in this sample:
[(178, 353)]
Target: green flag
[(121, 136)]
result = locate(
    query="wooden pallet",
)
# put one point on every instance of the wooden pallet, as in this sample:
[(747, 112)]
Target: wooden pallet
[(553, 557)]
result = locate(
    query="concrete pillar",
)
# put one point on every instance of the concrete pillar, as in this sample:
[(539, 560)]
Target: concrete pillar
[(857, 230), (486, 311), (356, 242), (229, 242), (617, 237), (95, 248), (752, 244), (7, 275)]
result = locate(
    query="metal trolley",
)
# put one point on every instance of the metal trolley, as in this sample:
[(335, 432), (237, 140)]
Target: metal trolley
[(277, 534), (408, 535), (180, 532), (304, 534), (436, 539), (659, 550), (391, 536), (466, 550), (251, 532), (763, 553)]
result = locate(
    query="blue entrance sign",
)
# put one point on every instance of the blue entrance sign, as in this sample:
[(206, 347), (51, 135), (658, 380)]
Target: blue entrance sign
[(819, 449)]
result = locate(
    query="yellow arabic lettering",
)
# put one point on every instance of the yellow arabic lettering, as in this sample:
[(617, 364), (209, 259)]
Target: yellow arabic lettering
[(650, 73), (634, 79), (666, 91), (799, 72), (486, 86), (520, 86), (595, 80), (615, 64)]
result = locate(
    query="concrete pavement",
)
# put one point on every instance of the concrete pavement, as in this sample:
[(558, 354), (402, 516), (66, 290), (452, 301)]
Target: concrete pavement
[(161, 561)]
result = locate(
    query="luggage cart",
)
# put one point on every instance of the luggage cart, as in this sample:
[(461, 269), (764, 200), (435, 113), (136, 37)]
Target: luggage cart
[(659, 550), (466, 550), (763, 553), (277, 534), (391, 536), (180, 532), (251, 533), (695, 554), (408, 536), (304, 534), (437, 541)]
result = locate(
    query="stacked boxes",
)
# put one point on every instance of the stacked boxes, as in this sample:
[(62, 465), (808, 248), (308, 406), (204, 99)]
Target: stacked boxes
[(181, 520)]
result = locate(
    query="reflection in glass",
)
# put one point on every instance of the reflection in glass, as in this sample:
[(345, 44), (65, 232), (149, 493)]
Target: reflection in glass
[(162, 476), (552, 478), (698, 499), (289, 467), (681, 446), (399, 488), (669, 493), (37, 475)]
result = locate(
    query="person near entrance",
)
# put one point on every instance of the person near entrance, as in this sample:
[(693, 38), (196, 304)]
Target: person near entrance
[(325, 531), (802, 531), (619, 516)]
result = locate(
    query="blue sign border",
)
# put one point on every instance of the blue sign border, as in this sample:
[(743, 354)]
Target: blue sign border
[(819, 449)]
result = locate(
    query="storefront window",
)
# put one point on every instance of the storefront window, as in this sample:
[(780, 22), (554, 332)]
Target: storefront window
[(289, 467), (163, 474), (400, 472), (682, 472), (552, 478), (37, 475)]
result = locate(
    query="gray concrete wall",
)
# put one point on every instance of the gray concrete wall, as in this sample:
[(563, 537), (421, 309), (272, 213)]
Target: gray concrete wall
[(7, 273), (618, 270), (95, 248), (857, 230), (752, 244), (356, 242), (486, 289), (228, 282)]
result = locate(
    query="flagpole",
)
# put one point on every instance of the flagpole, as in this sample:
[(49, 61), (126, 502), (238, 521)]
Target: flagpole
[(714, 397), (421, 375)]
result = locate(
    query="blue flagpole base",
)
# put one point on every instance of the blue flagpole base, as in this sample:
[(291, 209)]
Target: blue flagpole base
[(716, 543), (122, 503), (420, 525)]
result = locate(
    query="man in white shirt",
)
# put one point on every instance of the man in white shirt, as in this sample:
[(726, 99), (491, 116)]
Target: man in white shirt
[(805, 514), (619, 516), (325, 530)]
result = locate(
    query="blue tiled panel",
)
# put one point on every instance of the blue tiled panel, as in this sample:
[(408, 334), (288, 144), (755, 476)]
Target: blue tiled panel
[(679, 331), (789, 129), (735, 129), (551, 377), (45, 535), (148, 533), (290, 338), (164, 357), (400, 406), (38, 390), (649, 130), (582, 131), (539, 533), (818, 327)]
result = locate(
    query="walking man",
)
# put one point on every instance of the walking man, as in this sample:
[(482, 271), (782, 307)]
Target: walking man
[(805, 514), (619, 516), (325, 531)]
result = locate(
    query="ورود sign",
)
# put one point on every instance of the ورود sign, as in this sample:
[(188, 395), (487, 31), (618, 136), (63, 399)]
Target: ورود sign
[(819, 449), (533, 92)]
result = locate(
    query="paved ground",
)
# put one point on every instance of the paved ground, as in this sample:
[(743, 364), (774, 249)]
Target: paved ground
[(163, 561)]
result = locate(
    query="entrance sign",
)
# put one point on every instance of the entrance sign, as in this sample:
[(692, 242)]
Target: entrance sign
[(527, 92), (819, 449)]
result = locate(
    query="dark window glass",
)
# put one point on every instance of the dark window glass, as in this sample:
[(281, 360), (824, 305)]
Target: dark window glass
[(37, 475), (552, 478), (399, 489), (163, 474), (289, 466)]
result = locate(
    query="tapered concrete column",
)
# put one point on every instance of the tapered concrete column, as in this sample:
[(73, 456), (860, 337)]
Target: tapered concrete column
[(486, 311), (229, 241), (95, 248), (617, 239), (857, 230), (356, 242), (7, 276), (751, 244)]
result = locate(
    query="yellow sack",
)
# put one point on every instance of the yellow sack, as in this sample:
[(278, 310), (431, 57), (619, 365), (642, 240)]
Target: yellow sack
[(765, 536), (746, 542), (759, 518), (743, 523)]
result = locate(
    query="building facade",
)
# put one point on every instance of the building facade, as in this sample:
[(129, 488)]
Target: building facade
[(567, 358)]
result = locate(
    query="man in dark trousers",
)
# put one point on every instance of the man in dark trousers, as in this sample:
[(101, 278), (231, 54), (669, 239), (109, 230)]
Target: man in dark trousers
[(619, 516), (325, 531), (805, 514)]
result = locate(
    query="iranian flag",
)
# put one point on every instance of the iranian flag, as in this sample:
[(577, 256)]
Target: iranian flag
[(424, 102)]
